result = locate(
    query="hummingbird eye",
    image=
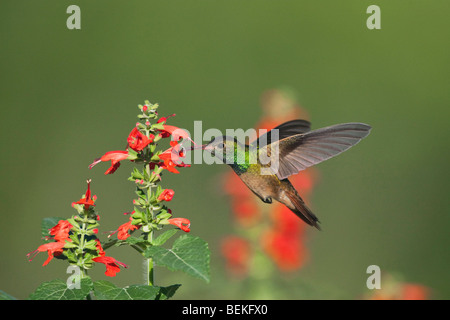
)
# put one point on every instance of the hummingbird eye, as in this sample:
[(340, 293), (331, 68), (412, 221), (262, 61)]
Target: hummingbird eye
[(221, 146)]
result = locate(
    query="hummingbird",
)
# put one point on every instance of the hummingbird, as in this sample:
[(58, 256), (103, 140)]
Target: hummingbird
[(297, 148)]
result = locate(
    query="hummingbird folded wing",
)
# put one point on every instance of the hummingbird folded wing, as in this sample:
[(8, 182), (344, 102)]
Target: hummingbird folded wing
[(300, 151)]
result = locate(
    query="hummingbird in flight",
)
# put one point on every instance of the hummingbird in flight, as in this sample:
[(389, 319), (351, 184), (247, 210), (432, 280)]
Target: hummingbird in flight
[(297, 148)]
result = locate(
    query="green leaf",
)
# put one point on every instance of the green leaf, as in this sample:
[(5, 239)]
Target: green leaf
[(141, 194), (134, 240), (167, 292), (105, 290), (137, 174), (189, 254), (158, 126), (57, 290), (162, 238), (6, 296), (48, 223), (91, 245)]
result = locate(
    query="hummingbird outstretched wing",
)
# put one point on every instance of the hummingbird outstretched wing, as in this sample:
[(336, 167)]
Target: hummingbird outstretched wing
[(285, 130), (300, 151)]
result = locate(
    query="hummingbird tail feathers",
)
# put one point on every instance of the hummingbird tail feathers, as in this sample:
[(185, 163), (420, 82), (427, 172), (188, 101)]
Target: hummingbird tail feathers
[(302, 211)]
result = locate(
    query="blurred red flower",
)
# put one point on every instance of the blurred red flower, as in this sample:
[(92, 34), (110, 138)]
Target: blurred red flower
[(236, 251), (283, 240)]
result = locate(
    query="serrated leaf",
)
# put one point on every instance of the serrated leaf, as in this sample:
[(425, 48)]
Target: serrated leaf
[(163, 237), (105, 290), (134, 240), (57, 290), (48, 223), (168, 292), (6, 296), (189, 254)]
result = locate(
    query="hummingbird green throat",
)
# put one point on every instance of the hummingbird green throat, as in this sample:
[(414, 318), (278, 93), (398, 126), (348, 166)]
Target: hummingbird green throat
[(291, 147)]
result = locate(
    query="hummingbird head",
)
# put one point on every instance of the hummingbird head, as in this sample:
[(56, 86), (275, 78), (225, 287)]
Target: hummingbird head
[(222, 147)]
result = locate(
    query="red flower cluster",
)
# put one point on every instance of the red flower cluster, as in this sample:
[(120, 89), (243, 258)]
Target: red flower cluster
[(283, 240), (60, 233), (137, 141)]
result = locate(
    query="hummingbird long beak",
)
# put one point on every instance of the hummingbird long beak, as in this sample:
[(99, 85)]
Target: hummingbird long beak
[(203, 146)]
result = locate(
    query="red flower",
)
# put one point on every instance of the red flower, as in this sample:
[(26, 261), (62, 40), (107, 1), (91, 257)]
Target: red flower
[(60, 232), (166, 195), (112, 265), (138, 141), (175, 132), (164, 119), (122, 231), (115, 157), (181, 223), (172, 158), (87, 200), (414, 292), (236, 251), (99, 248), (286, 250), (246, 211), (52, 248)]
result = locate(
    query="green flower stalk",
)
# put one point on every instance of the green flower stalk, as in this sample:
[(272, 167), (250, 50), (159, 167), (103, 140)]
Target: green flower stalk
[(150, 212), (75, 239)]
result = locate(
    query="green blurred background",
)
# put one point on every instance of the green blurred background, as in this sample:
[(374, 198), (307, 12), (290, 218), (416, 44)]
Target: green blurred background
[(68, 96)]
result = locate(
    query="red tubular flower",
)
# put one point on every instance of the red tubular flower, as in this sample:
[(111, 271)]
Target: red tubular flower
[(122, 231), (115, 157), (181, 223), (60, 232), (87, 200), (99, 248), (52, 248), (112, 265), (138, 141), (164, 119), (172, 158), (166, 195), (175, 132)]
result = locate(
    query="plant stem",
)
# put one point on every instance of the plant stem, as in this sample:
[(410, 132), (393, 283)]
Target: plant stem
[(150, 264), (150, 280)]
